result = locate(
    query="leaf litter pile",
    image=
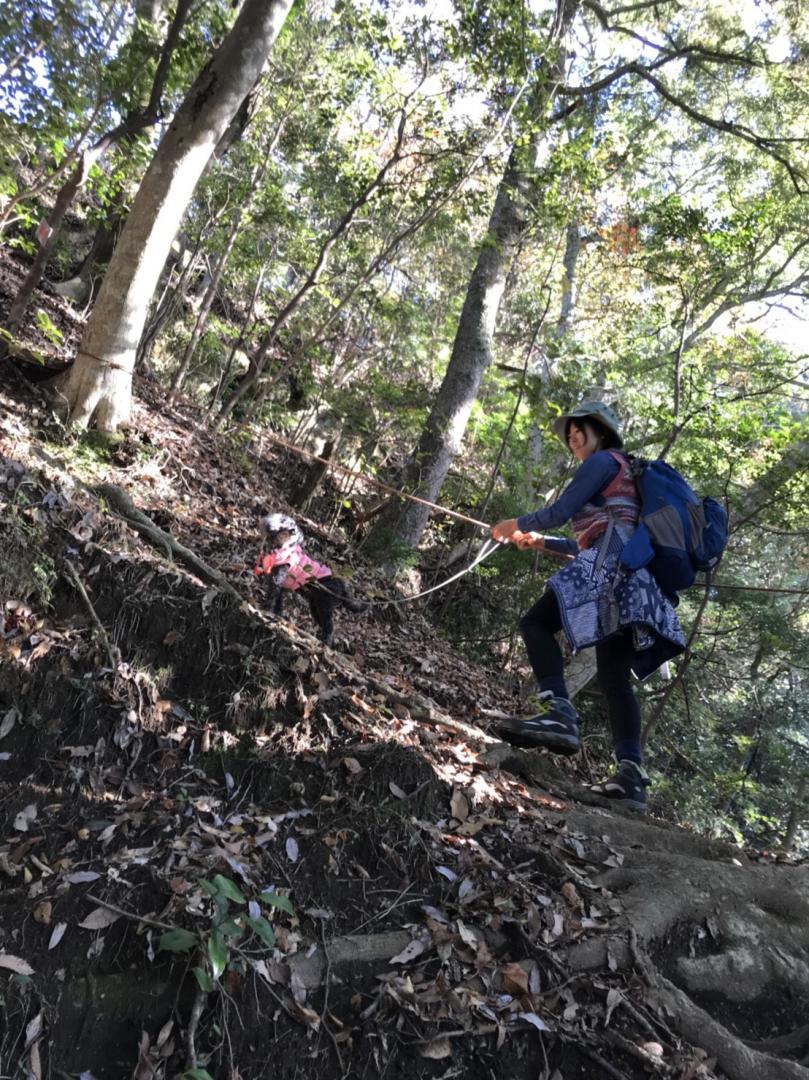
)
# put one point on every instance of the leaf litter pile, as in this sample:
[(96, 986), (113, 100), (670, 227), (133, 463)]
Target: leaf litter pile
[(228, 851)]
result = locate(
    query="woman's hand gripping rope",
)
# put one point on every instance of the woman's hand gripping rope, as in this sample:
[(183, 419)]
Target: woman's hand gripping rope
[(507, 532)]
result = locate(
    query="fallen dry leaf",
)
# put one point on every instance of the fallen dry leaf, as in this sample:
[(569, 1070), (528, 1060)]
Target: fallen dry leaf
[(305, 1014), (409, 952), (25, 818), (33, 1029), (653, 1049), (515, 980), (459, 805), (614, 999), (80, 877), (534, 1020), (471, 827), (570, 894), (15, 964), (57, 934), (436, 1049), (43, 911), (8, 722), (99, 919)]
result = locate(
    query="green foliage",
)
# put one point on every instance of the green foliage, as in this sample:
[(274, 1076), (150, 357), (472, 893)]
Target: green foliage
[(46, 325), (27, 571), (218, 942), (386, 546), (178, 940)]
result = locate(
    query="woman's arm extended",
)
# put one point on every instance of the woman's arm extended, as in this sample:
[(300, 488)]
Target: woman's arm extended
[(592, 476)]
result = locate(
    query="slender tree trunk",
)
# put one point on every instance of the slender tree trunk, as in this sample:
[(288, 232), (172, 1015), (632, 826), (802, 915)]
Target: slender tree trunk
[(256, 177), (569, 285), (49, 232), (314, 474), (223, 378), (797, 814), (205, 308), (344, 224), (472, 348), (172, 297), (133, 123), (793, 462), (80, 287), (21, 57), (99, 386)]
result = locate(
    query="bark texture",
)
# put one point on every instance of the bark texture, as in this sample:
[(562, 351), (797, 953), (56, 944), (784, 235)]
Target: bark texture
[(472, 349), (133, 123), (99, 387)]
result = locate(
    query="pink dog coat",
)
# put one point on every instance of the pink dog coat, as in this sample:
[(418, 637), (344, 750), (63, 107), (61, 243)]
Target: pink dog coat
[(301, 567)]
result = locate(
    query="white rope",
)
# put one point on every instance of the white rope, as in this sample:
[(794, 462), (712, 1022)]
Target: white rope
[(486, 549)]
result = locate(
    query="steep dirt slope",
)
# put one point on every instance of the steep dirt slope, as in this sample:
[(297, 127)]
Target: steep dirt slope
[(367, 883)]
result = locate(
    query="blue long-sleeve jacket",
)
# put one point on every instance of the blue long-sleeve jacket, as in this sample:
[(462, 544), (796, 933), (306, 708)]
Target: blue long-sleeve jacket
[(592, 476)]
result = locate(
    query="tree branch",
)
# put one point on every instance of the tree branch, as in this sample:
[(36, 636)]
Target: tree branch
[(740, 131)]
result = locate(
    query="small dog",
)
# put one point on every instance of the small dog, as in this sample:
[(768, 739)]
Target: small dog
[(287, 566)]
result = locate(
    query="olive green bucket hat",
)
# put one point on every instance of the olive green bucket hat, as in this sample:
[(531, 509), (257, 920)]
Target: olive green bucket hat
[(597, 410)]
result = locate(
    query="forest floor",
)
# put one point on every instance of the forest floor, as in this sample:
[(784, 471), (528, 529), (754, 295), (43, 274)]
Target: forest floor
[(388, 890)]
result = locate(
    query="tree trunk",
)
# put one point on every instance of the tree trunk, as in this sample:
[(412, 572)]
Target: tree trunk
[(256, 178), (797, 814), (223, 378), (130, 125), (47, 238), (793, 462), (314, 474), (172, 297), (570, 262), (472, 348), (80, 288), (99, 386), (205, 308)]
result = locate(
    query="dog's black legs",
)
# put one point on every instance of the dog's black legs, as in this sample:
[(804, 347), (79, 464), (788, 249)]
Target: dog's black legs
[(321, 605), (275, 594)]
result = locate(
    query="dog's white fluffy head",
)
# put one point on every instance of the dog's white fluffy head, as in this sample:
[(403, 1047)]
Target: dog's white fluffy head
[(274, 526)]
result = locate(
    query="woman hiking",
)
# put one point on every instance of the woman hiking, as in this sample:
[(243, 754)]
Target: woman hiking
[(632, 624)]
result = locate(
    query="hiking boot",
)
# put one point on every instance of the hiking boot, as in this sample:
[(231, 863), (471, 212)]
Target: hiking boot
[(556, 729), (627, 784)]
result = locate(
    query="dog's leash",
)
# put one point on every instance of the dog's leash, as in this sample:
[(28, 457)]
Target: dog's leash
[(486, 550), (373, 482)]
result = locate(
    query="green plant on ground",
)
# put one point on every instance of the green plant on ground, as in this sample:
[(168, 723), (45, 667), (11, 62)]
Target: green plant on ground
[(218, 943)]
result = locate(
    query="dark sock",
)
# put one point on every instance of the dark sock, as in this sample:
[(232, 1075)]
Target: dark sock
[(556, 685)]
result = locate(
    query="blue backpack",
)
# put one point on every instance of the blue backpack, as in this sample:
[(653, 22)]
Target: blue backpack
[(678, 533)]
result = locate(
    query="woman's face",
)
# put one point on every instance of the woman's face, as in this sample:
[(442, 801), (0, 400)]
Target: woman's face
[(582, 440)]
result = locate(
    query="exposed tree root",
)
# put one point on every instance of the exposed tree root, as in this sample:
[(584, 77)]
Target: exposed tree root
[(703, 923), (120, 503), (740, 1062)]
